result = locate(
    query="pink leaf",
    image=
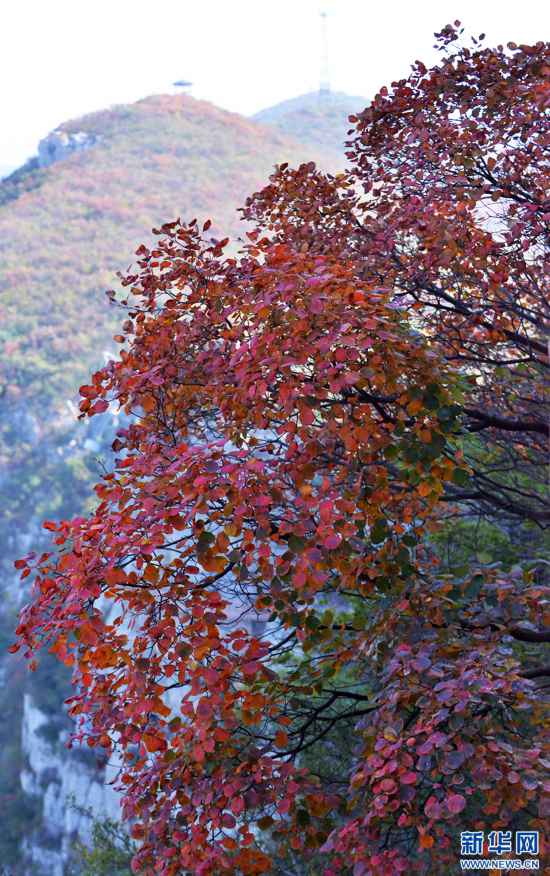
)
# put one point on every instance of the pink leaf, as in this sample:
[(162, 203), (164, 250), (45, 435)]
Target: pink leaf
[(332, 541), (455, 803), (409, 778)]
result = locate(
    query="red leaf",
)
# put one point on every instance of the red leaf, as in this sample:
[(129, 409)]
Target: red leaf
[(333, 541), (237, 805), (100, 406), (153, 743), (455, 803), (409, 778)]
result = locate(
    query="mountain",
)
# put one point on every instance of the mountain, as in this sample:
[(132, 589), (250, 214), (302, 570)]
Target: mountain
[(319, 119), (70, 218), (5, 170), (67, 227)]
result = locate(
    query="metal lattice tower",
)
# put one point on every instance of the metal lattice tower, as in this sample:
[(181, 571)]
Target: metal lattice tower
[(324, 86)]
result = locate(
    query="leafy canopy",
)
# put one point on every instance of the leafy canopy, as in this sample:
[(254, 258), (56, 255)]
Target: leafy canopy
[(258, 580)]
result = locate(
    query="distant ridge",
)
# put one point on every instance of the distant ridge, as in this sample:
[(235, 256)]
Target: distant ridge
[(5, 170), (318, 119), (66, 229)]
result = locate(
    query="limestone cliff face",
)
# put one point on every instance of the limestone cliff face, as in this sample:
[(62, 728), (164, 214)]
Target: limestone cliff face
[(49, 795), (93, 191), (59, 145), (70, 789)]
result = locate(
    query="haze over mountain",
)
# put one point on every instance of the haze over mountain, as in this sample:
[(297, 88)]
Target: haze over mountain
[(65, 229), (70, 218), (318, 119), (5, 170)]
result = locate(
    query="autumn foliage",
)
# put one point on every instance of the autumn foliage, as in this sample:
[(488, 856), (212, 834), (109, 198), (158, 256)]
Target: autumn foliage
[(159, 157), (258, 584)]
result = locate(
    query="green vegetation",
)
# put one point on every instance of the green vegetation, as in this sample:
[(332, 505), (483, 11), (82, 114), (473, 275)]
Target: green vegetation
[(321, 120), (65, 231), (26, 178), (109, 854), (63, 239)]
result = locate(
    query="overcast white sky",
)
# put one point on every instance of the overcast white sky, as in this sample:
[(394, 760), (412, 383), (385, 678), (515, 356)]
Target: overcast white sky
[(62, 58)]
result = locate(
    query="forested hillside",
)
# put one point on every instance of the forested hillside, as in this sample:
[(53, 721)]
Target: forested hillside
[(63, 240), (66, 229), (307, 618), (319, 119)]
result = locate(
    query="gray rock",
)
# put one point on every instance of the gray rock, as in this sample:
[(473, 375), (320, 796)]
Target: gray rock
[(59, 145)]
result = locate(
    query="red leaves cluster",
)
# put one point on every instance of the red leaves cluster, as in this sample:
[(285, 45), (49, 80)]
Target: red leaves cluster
[(293, 436)]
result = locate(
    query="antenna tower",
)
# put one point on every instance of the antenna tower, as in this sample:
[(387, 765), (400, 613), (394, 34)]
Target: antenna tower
[(324, 86)]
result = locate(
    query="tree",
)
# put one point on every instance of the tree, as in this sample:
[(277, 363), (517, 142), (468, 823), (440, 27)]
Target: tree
[(109, 854), (303, 415), (452, 167)]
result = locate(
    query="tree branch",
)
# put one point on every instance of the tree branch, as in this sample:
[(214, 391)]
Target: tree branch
[(490, 420), (539, 672), (524, 634)]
